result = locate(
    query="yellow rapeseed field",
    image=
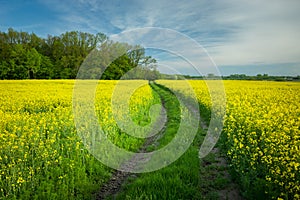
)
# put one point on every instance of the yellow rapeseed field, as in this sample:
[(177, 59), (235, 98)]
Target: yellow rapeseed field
[(41, 156), (261, 134)]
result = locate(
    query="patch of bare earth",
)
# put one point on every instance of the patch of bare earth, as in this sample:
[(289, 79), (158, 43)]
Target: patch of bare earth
[(119, 177), (216, 182), (219, 183)]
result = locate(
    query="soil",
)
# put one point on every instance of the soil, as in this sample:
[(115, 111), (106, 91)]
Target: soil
[(119, 177), (230, 191)]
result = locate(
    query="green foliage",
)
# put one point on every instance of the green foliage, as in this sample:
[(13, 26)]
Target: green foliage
[(176, 181), (41, 154), (27, 56)]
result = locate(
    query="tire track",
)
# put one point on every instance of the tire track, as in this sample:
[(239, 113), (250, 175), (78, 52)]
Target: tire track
[(119, 177)]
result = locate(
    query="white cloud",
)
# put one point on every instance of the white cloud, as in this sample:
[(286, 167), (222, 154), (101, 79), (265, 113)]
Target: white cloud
[(171, 48), (234, 32), (267, 32)]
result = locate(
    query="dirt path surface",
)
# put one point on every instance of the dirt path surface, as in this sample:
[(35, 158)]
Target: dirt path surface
[(113, 186), (214, 168), (216, 182)]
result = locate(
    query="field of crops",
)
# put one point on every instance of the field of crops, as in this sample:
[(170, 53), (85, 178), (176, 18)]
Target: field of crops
[(42, 157), (261, 135)]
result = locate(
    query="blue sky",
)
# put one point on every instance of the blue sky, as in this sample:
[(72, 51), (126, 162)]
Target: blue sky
[(249, 37)]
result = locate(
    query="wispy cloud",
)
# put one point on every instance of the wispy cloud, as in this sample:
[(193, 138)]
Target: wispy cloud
[(267, 32), (234, 32)]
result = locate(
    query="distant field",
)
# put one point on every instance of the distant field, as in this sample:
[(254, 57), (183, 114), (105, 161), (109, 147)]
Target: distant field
[(42, 157)]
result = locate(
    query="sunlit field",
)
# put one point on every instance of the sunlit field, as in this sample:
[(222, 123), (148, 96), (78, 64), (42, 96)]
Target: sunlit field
[(261, 135), (42, 157)]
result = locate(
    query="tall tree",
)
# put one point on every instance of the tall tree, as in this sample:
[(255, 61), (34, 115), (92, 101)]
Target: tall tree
[(33, 63), (24, 55)]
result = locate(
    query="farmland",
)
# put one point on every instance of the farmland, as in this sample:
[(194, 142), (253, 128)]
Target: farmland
[(43, 157), (261, 135)]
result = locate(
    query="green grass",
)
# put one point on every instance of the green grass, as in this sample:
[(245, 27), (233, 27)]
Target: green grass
[(188, 177), (41, 154), (180, 180)]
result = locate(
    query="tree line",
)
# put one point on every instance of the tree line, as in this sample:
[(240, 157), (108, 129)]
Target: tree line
[(261, 77), (25, 55)]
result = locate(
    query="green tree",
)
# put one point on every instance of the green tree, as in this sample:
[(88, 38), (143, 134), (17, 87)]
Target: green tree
[(46, 68), (24, 55), (33, 63)]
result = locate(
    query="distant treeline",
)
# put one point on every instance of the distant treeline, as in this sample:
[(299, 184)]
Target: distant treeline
[(265, 77), (27, 56)]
